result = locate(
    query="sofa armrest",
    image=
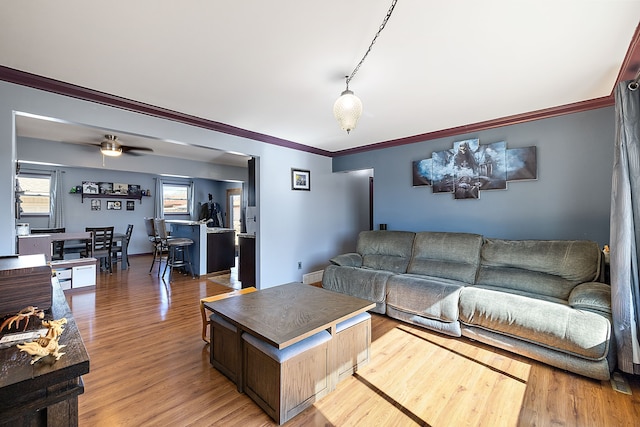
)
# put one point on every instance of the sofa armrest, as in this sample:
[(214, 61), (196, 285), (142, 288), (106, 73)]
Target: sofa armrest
[(592, 296), (347, 260)]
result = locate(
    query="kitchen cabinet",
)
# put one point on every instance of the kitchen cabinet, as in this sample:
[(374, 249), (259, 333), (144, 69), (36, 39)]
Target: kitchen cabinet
[(247, 260)]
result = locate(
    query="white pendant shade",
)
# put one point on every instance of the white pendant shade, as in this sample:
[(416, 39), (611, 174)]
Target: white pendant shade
[(347, 110)]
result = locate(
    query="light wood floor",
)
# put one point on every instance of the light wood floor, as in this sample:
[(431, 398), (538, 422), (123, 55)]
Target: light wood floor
[(149, 367)]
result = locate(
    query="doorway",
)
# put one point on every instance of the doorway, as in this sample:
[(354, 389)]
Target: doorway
[(234, 206)]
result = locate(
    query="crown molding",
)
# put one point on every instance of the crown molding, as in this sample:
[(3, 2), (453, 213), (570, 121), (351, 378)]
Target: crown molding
[(629, 70), (67, 89), (489, 124), (631, 63)]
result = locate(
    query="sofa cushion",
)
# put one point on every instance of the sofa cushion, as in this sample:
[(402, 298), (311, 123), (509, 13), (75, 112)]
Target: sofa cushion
[(592, 296), (552, 325), (447, 255), (347, 260), (385, 250), (524, 294), (431, 297), (362, 283), (547, 267), (448, 328)]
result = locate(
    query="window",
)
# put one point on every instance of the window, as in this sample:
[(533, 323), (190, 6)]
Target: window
[(175, 198), (36, 199)]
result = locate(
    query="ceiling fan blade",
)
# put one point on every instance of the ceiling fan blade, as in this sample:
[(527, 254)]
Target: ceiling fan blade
[(82, 145), (135, 150)]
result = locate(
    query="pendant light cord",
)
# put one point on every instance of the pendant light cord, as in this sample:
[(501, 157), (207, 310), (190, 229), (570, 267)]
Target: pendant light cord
[(384, 23)]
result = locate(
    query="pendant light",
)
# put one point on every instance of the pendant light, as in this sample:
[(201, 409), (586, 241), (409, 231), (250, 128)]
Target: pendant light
[(348, 108)]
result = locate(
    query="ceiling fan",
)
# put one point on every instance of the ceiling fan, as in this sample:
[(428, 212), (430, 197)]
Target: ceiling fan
[(111, 147)]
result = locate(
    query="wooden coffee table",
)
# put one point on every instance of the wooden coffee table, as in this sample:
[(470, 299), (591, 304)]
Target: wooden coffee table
[(284, 315)]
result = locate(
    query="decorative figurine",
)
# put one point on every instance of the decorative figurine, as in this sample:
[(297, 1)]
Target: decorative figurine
[(25, 314), (47, 345)]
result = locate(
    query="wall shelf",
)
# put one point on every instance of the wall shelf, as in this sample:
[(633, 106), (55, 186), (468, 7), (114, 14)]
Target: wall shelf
[(112, 196), (109, 190)]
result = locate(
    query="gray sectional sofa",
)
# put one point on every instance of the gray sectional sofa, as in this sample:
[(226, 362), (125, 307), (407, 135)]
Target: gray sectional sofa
[(541, 299)]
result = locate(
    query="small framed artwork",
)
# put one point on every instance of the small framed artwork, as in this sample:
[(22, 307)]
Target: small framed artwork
[(89, 187), (119, 188), (300, 179), (106, 187), (131, 205), (114, 205), (95, 204)]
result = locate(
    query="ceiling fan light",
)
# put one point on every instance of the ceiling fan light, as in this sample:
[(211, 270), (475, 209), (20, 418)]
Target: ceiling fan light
[(347, 110), (110, 149)]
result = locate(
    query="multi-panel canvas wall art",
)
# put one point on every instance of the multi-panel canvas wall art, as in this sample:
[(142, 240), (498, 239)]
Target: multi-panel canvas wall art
[(470, 167)]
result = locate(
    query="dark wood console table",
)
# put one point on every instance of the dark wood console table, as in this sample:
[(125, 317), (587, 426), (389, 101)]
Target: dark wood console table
[(46, 393)]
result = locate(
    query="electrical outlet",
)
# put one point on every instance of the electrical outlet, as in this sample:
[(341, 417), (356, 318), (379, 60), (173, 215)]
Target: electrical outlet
[(299, 265)]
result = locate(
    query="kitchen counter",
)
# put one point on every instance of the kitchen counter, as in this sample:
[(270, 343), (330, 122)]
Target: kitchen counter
[(219, 230), (213, 248)]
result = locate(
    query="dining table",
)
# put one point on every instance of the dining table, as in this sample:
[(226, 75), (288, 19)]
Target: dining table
[(74, 242)]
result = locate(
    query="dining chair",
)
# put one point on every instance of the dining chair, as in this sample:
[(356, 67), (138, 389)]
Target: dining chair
[(100, 245), (124, 245)]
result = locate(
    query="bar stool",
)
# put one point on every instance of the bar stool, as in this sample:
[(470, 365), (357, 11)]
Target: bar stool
[(177, 250), (149, 224)]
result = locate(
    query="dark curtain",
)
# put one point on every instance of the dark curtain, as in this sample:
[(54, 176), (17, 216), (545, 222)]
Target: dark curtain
[(625, 227)]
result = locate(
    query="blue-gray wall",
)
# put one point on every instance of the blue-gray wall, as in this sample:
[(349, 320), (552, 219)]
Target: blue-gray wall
[(569, 200), (78, 214), (293, 226)]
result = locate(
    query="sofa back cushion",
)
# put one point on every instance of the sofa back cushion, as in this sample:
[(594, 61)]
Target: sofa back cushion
[(453, 256), (385, 250), (545, 267)]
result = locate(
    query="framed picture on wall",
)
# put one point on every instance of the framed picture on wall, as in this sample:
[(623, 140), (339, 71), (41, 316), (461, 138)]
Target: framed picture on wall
[(119, 188), (131, 205), (300, 179), (114, 205), (106, 187), (89, 187), (95, 204)]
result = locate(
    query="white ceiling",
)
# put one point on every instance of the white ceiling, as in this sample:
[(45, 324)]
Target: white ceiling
[(49, 129), (276, 67)]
